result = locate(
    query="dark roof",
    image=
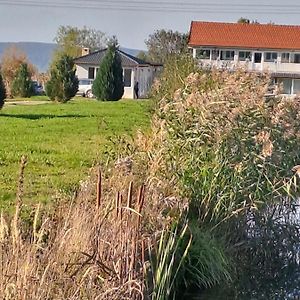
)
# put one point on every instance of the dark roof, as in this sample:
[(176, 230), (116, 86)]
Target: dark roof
[(126, 59), (238, 35)]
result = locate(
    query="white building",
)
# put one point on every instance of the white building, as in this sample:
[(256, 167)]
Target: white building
[(256, 47), (134, 70)]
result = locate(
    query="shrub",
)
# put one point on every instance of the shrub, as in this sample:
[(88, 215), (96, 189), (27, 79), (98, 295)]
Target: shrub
[(63, 83), (22, 84), (2, 92), (108, 85), (224, 151)]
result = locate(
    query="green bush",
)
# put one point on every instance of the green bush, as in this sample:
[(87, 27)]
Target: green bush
[(109, 85), (2, 92), (63, 83), (22, 85)]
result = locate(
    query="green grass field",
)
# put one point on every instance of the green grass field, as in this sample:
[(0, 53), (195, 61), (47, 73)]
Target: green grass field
[(61, 141)]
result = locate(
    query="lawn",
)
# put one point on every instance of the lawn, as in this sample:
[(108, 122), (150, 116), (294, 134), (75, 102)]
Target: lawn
[(61, 142)]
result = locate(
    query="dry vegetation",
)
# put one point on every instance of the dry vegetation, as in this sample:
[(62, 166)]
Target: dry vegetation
[(177, 208)]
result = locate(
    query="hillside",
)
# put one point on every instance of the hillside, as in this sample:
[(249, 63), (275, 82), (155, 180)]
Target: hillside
[(40, 54)]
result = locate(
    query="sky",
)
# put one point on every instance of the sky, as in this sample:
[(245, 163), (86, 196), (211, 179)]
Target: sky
[(132, 21)]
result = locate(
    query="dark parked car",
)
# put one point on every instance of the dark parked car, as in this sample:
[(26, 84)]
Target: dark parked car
[(37, 88)]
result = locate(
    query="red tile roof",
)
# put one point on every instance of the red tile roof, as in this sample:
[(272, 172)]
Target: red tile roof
[(235, 35)]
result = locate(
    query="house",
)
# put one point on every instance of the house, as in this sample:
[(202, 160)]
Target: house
[(255, 47), (134, 70)]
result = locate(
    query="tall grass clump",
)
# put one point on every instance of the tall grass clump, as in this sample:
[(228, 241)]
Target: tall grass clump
[(228, 155), (90, 248)]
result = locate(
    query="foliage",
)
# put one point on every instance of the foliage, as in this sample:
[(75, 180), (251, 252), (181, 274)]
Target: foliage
[(242, 20), (246, 21), (161, 44), (166, 261), (224, 151), (2, 92), (180, 66), (63, 83), (143, 56), (72, 39), (11, 61), (22, 85), (186, 258), (108, 85)]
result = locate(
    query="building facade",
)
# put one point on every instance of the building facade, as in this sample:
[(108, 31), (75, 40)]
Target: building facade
[(134, 70), (255, 47)]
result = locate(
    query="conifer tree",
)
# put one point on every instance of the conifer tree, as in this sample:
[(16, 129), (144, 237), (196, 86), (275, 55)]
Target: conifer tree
[(2, 92), (109, 85), (22, 84), (63, 83)]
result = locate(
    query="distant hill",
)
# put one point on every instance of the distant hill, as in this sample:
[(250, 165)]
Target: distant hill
[(40, 54)]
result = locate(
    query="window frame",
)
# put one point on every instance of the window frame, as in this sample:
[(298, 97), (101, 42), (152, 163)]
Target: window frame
[(226, 57), (286, 60), (245, 57), (271, 59), (91, 71), (294, 58), (124, 77), (207, 51)]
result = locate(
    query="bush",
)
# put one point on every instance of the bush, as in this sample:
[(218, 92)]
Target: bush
[(224, 151), (108, 85), (22, 85), (63, 83), (2, 92)]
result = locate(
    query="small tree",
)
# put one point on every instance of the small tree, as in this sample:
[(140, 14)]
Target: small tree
[(109, 85), (2, 92), (63, 83), (22, 84)]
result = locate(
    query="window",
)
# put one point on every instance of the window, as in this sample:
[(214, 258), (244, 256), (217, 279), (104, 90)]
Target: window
[(297, 58), (85, 82), (285, 57), (296, 86), (91, 74), (270, 56), (257, 57), (127, 77), (227, 55), (244, 55), (286, 85), (215, 54), (202, 54)]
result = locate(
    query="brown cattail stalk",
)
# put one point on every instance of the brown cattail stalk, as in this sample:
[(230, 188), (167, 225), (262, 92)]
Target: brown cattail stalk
[(99, 190)]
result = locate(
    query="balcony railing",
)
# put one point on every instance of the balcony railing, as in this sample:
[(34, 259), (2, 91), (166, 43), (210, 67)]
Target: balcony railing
[(273, 67)]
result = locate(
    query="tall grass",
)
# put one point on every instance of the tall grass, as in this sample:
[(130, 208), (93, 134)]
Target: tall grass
[(195, 203), (88, 249)]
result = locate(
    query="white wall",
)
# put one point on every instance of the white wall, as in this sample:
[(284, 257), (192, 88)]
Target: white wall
[(144, 75), (82, 71)]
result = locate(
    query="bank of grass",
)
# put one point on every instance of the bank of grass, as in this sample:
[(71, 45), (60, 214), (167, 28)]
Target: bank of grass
[(61, 141)]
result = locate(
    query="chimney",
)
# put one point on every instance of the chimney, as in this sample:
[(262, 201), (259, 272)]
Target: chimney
[(85, 51)]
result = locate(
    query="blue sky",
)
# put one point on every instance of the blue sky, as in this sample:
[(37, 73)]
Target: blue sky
[(131, 21)]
